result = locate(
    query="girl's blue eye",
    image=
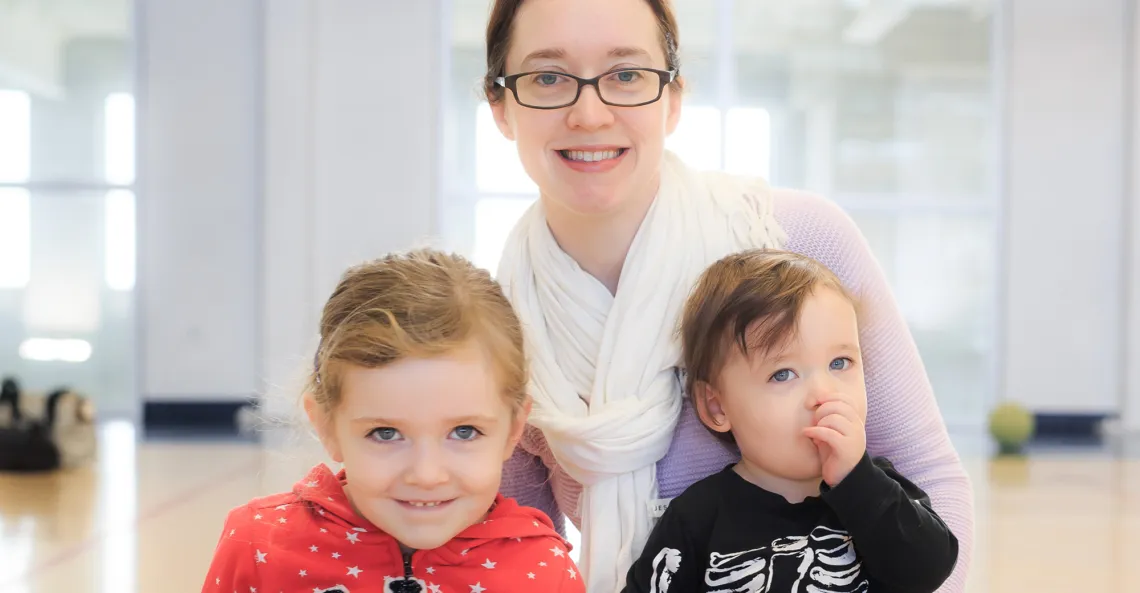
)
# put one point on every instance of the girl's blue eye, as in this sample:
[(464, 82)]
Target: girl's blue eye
[(466, 433), (841, 364), (384, 434)]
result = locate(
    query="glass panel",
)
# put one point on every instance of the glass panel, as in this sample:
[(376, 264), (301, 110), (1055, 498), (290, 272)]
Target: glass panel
[(68, 57), (697, 139), (942, 272), (67, 325), (887, 98), (15, 238), (497, 165), (15, 135), (494, 219)]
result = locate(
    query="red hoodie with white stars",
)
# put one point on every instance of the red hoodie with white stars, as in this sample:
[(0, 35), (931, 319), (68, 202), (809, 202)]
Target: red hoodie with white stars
[(311, 540)]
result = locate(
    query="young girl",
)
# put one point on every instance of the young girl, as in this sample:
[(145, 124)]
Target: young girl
[(419, 391), (771, 347)]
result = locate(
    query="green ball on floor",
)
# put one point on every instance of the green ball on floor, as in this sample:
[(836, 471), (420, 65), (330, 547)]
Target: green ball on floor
[(1011, 426)]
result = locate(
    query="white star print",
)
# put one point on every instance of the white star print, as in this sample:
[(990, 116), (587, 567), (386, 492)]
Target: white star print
[(232, 532), (304, 573), (336, 555), (430, 570), (354, 572), (573, 575), (323, 530), (518, 539), (542, 564), (488, 564), (253, 590), (558, 552), (281, 520), (536, 524), (261, 557), (434, 589), (257, 517), (464, 552), (217, 581), (312, 484), (477, 588), (321, 512), (282, 507), (352, 537), (360, 529), (530, 575), (313, 548)]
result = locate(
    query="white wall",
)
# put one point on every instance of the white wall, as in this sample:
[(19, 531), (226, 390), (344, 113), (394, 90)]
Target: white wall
[(199, 199), (1065, 185), (352, 129), (1131, 411)]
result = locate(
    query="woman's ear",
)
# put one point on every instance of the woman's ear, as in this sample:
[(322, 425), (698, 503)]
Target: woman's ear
[(673, 110), (322, 422), (710, 408), (499, 111)]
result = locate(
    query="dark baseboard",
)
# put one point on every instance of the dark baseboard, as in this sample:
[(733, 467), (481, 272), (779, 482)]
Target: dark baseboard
[(196, 417), (1068, 427)]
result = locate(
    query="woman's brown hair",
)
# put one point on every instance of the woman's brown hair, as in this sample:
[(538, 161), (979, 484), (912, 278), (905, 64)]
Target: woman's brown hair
[(501, 24), (419, 304), (750, 301)]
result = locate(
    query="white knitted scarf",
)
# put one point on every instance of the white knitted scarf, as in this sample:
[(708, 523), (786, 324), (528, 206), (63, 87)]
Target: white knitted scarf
[(606, 396)]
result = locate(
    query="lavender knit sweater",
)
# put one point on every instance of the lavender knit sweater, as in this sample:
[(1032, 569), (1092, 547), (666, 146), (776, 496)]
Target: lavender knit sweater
[(903, 421)]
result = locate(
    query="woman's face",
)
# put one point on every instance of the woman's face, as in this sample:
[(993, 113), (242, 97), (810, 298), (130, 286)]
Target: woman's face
[(589, 158)]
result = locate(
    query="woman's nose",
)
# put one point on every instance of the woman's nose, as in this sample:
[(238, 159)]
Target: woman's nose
[(589, 112)]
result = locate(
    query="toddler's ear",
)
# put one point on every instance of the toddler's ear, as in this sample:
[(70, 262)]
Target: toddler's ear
[(709, 408)]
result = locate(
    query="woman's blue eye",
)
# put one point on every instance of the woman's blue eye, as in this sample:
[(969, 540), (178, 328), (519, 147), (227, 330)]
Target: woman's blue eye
[(466, 433), (840, 364), (547, 79), (628, 76)]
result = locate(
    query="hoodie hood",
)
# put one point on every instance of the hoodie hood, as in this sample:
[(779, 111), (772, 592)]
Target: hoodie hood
[(324, 491)]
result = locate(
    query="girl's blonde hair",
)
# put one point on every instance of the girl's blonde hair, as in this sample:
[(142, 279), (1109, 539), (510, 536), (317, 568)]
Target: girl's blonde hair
[(422, 303)]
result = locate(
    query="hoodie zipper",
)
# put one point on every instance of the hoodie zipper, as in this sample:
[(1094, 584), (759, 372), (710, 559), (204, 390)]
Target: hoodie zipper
[(409, 584)]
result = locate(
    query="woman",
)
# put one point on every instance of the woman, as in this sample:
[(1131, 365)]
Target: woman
[(599, 268)]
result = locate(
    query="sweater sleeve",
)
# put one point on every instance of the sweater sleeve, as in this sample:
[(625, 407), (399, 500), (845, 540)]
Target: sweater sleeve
[(232, 566), (531, 476), (903, 420)]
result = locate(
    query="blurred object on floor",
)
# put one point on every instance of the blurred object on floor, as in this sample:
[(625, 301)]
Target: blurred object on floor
[(44, 432)]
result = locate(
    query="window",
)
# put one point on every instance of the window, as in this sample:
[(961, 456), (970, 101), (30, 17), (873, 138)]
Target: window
[(15, 238), (67, 204)]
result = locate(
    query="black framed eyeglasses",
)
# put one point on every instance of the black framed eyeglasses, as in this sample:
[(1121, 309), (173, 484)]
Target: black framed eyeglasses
[(625, 87)]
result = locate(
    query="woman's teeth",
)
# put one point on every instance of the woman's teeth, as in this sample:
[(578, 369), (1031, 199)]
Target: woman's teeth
[(425, 504), (591, 157)]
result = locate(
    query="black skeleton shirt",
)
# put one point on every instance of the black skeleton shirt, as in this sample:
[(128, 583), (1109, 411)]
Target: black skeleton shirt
[(874, 532)]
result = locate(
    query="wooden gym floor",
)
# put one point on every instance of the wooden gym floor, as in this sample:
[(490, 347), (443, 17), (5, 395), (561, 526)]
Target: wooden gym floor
[(145, 517)]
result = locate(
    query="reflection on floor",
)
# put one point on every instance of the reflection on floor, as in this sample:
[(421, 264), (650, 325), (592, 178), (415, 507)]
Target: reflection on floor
[(146, 517)]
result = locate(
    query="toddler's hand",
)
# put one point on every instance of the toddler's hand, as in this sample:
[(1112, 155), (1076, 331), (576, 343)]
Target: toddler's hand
[(839, 436)]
